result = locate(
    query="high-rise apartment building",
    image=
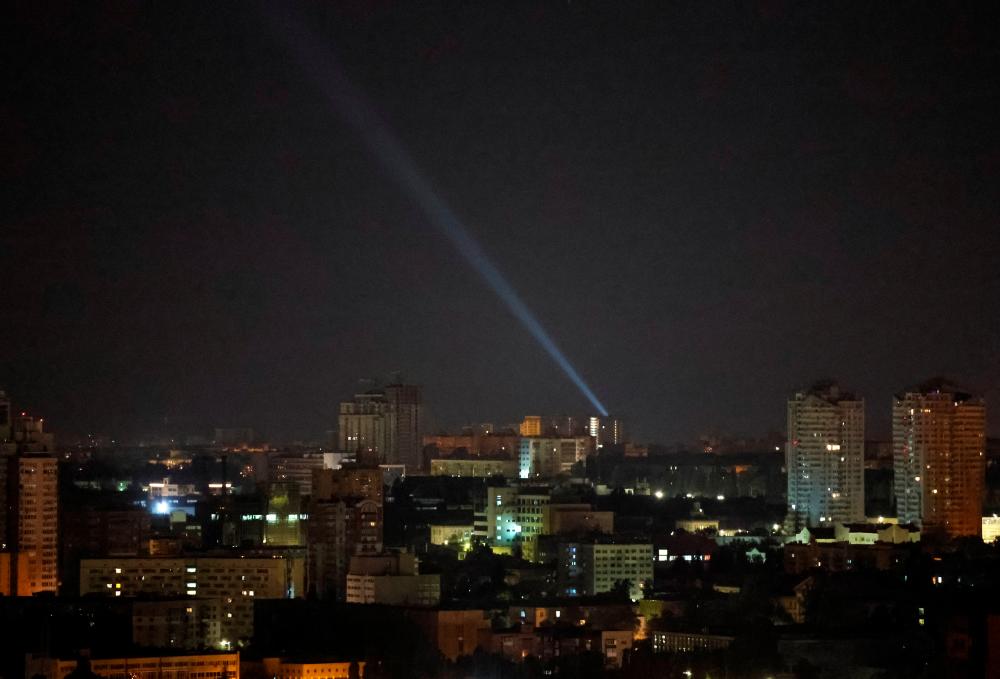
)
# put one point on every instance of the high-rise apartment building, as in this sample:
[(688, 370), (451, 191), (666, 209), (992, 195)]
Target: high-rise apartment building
[(606, 430), (36, 544), (338, 530), (345, 519), (406, 438), (364, 426), (383, 426), (938, 441), (824, 456), (29, 510)]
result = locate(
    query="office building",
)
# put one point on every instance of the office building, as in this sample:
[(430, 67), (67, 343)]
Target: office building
[(938, 442), (824, 456)]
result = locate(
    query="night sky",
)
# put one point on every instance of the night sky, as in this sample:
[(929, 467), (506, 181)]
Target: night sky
[(708, 205)]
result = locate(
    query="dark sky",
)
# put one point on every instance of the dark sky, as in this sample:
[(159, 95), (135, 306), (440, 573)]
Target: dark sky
[(708, 204)]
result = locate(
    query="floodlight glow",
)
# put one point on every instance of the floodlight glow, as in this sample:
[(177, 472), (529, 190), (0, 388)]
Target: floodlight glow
[(322, 67)]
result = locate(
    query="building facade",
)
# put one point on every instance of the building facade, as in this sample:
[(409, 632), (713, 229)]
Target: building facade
[(592, 567), (825, 456), (549, 457), (364, 426), (406, 405), (189, 624), (201, 666), (36, 502), (938, 445), (476, 467), (236, 581), (391, 579)]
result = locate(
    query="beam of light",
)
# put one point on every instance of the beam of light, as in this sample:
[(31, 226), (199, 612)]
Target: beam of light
[(320, 64)]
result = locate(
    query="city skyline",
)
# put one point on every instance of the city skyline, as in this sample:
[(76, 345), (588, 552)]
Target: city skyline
[(690, 215), (372, 339)]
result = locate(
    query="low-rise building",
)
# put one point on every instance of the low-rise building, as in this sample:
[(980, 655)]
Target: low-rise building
[(451, 535), (689, 642), (991, 528), (199, 666), (576, 519), (454, 632), (391, 579), (473, 467), (843, 556), (283, 668)]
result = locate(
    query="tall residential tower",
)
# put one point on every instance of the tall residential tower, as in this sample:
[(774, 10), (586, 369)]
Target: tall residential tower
[(406, 405), (825, 456), (938, 439)]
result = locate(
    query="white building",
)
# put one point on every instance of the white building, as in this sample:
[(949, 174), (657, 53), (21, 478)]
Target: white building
[(587, 568), (991, 528), (824, 456)]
